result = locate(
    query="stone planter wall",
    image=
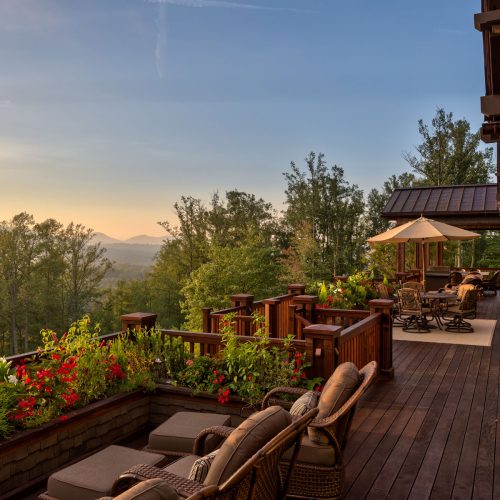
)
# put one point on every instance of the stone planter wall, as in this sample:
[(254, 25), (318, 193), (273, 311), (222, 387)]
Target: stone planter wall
[(170, 399), (29, 457)]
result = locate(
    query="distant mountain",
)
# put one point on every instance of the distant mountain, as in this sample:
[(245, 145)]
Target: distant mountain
[(103, 239), (144, 239)]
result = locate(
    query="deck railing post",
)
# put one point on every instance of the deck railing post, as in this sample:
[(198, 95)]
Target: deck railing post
[(384, 306), (271, 314), (308, 303), (296, 289), (322, 349), (292, 330), (138, 321), (245, 301), (207, 324)]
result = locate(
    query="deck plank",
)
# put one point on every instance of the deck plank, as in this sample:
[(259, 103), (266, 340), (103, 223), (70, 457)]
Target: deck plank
[(432, 431)]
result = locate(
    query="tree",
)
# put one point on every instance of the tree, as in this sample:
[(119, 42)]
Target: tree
[(251, 267), (86, 266), (332, 210), (377, 200), (449, 153)]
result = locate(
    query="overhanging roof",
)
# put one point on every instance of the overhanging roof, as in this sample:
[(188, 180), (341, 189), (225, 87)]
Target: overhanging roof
[(467, 206)]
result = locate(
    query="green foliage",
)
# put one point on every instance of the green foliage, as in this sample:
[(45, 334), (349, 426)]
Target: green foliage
[(248, 369), (252, 267), (351, 294)]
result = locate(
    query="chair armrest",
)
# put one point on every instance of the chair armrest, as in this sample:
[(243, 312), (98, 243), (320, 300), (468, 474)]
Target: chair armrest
[(296, 391), (185, 487), (199, 442)]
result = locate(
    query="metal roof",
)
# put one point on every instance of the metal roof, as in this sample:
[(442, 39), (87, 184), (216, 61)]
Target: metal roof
[(468, 202)]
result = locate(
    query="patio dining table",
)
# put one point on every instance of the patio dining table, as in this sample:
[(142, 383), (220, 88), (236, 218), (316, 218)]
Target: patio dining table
[(436, 300)]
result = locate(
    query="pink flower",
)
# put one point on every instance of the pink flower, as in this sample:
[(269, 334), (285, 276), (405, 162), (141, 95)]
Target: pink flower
[(189, 362)]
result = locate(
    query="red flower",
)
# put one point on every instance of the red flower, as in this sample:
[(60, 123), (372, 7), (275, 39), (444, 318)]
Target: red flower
[(63, 418), (56, 356)]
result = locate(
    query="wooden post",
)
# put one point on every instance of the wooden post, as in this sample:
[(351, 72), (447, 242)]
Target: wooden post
[(271, 314), (308, 303), (384, 306), (322, 349), (137, 321), (296, 289), (243, 300), (440, 253), (207, 323), (291, 320)]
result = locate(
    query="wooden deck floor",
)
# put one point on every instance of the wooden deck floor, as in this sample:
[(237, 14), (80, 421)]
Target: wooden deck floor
[(432, 431)]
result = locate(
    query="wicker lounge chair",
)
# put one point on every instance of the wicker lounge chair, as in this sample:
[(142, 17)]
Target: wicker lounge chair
[(319, 470), (245, 467)]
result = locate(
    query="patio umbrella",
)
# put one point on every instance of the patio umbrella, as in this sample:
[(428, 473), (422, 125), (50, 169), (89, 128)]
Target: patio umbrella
[(422, 230)]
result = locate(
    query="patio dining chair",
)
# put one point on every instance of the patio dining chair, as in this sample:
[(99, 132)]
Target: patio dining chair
[(319, 470), (245, 467), (416, 285), (413, 311), (491, 285), (465, 309)]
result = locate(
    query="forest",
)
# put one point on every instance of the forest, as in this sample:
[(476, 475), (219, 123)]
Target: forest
[(51, 275)]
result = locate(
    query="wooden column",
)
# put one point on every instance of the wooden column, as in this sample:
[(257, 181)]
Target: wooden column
[(322, 349), (401, 256), (137, 321), (440, 253), (384, 306)]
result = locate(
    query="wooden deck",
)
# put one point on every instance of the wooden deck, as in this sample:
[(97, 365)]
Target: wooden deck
[(432, 431)]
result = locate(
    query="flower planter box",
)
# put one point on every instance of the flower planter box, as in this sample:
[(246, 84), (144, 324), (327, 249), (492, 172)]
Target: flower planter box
[(29, 457)]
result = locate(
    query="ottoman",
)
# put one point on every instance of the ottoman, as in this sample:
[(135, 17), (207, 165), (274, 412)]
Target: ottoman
[(177, 434), (94, 476)]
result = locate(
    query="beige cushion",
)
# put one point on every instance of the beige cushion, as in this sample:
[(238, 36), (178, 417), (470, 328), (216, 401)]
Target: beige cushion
[(152, 489), (338, 389), (313, 453), (200, 467), (94, 476), (306, 402), (179, 431), (249, 437)]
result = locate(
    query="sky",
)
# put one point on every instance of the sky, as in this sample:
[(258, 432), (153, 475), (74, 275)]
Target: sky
[(111, 110)]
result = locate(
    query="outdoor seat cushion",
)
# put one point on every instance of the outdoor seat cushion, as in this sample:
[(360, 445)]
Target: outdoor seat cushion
[(179, 431), (249, 437), (312, 453), (152, 489), (183, 466), (338, 389), (94, 476)]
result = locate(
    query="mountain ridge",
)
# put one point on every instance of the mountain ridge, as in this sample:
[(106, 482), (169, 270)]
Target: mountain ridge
[(141, 239)]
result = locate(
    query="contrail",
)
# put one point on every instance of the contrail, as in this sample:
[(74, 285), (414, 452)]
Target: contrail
[(161, 35), (161, 39), (224, 4)]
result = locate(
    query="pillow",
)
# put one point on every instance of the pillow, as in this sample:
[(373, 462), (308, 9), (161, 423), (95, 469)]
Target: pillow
[(339, 388), (152, 489), (199, 469), (249, 437), (306, 402)]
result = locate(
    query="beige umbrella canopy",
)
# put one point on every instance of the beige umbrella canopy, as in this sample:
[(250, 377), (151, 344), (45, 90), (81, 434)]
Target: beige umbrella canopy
[(423, 230)]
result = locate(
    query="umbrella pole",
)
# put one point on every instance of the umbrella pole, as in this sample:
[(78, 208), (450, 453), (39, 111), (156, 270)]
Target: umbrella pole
[(423, 264)]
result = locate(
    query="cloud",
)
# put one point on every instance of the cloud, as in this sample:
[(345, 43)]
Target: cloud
[(28, 15)]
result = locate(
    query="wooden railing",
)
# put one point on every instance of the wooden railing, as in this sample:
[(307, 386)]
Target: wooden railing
[(327, 336)]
